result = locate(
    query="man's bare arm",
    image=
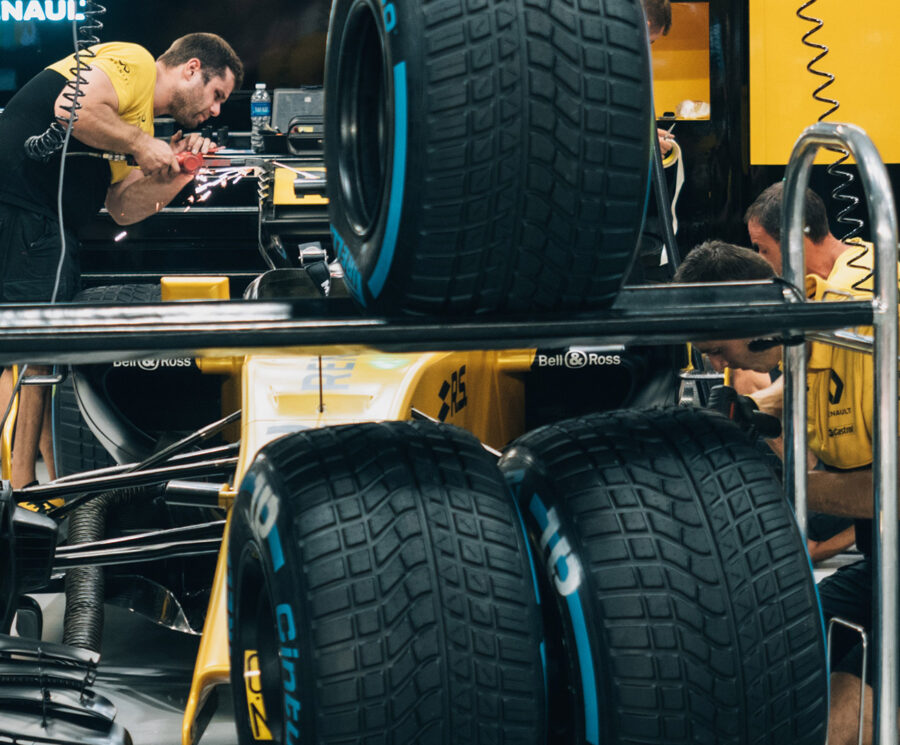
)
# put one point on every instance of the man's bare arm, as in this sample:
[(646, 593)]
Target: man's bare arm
[(98, 124), (138, 196), (846, 493), (770, 400)]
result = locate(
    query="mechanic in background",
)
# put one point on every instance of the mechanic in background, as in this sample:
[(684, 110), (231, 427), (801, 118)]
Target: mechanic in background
[(839, 422), (659, 23), (123, 90), (822, 251)]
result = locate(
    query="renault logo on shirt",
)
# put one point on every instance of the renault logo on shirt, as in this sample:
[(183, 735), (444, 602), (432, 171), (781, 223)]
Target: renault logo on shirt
[(835, 389)]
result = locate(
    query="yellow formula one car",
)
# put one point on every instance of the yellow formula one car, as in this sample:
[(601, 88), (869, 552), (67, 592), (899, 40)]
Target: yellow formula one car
[(501, 544)]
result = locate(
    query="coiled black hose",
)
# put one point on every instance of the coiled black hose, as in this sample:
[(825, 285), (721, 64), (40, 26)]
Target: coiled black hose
[(41, 147), (846, 201), (83, 619)]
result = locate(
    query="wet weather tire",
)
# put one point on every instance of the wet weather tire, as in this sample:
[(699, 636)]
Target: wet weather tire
[(676, 580), (486, 155), (76, 447), (380, 591)]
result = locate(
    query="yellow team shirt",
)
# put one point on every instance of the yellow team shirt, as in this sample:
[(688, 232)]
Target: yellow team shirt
[(132, 71), (839, 381)]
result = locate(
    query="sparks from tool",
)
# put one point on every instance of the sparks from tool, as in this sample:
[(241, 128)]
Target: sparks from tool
[(121, 236), (208, 179)]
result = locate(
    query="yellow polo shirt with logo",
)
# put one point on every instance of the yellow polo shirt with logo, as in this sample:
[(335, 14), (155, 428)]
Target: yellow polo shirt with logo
[(132, 71), (839, 381)]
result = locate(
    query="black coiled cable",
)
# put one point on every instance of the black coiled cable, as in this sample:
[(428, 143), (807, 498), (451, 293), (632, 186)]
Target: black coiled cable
[(41, 147), (847, 202)]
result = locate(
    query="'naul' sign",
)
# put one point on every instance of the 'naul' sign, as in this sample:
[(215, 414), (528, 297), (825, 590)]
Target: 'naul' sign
[(40, 10)]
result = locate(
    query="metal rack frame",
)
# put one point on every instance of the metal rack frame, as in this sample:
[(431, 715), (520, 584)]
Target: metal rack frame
[(69, 333), (883, 217)]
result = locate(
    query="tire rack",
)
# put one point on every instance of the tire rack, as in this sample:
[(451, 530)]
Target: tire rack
[(883, 217), (667, 314)]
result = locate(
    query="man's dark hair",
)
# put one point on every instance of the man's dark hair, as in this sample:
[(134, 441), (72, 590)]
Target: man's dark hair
[(767, 210), (717, 261), (214, 53), (659, 13)]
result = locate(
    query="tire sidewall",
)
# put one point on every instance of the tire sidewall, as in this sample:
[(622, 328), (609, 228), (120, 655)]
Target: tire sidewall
[(260, 546), (368, 257), (565, 596)]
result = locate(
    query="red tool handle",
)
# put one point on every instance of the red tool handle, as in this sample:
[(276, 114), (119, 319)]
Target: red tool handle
[(189, 161)]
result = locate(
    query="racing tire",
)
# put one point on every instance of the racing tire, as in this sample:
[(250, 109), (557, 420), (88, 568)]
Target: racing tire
[(676, 586), (76, 448), (487, 156), (380, 590)]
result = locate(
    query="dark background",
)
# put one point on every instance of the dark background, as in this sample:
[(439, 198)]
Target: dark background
[(281, 42)]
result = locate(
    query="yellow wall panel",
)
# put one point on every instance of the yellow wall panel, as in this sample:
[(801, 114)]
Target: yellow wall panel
[(864, 51)]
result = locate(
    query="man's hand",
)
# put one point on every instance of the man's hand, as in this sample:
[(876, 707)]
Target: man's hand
[(743, 411), (194, 143), (155, 157), (666, 140)]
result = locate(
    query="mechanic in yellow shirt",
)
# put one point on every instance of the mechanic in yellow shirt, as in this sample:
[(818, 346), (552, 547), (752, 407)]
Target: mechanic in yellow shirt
[(123, 89), (839, 428)]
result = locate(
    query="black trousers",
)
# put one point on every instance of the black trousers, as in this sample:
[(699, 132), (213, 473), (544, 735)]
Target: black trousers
[(847, 594), (29, 257)]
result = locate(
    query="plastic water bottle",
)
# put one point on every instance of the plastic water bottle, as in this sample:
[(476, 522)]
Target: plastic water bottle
[(260, 116)]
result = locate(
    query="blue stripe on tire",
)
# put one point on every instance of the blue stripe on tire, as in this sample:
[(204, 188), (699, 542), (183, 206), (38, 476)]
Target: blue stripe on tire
[(398, 183), (582, 642)]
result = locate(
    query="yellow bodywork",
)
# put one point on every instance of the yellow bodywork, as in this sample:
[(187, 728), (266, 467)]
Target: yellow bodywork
[(284, 392), (6, 434), (284, 188)]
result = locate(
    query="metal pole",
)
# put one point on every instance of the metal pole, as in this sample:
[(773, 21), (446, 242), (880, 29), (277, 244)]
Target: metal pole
[(883, 217), (795, 358)]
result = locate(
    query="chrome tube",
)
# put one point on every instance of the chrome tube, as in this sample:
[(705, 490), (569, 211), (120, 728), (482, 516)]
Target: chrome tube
[(794, 423), (883, 218)]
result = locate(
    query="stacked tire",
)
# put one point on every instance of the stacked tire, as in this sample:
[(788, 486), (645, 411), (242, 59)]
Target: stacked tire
[(677, 593), (380, 590), (489, 155)]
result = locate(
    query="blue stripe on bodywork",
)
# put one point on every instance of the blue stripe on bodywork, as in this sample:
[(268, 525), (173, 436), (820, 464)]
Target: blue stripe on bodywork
[(398, 183)]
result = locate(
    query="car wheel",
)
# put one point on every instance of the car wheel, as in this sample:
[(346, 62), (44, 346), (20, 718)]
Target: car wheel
[(76, 447), (380, 590), (484, 156), (677, 585)]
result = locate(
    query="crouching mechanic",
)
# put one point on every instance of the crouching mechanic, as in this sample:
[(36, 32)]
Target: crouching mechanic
[(123, 89), (839, 426)]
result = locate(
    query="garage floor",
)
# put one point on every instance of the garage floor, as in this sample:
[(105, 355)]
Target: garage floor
[(146, 671)]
